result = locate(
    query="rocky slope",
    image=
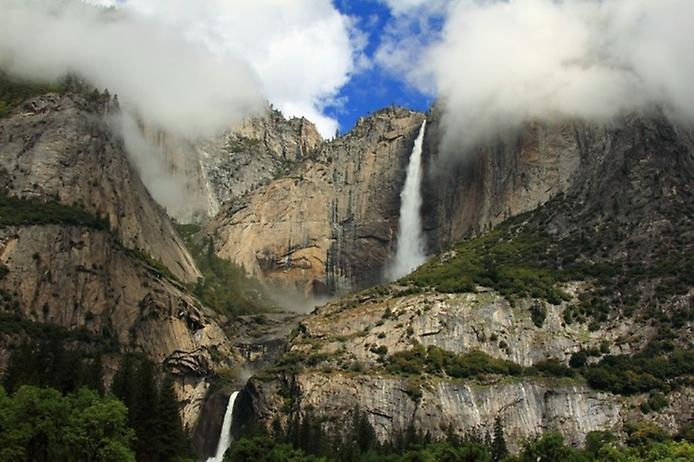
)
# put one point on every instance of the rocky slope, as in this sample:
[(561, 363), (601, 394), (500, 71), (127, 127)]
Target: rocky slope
[(343, 349), (595, 275), (329, 225)]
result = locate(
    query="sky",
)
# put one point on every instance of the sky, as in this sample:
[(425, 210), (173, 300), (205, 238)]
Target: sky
[(377, 84), (194, 67)]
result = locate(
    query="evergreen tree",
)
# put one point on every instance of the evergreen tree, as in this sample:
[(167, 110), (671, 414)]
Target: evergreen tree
[(153, 411), (364, 433), (173, 442), (498, 446)]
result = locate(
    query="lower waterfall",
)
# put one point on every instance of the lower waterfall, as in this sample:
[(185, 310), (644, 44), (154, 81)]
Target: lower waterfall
[(225, 434)]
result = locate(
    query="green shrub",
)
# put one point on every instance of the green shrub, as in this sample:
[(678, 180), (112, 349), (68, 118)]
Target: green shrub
[(538, 313), (434, 360)]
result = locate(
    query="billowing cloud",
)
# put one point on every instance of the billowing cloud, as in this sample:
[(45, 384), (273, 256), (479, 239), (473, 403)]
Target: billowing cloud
[(303, 51), (190, 66), (500, 63), (172, 82), (414, 25)]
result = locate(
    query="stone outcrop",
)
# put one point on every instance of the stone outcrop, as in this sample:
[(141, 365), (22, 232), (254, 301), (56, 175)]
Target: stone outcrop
[(212, 171), (483, 321), (329, 225)]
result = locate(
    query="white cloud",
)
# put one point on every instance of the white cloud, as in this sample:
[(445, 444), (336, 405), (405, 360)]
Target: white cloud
[(202, 58), (406, 7), (303, 51), (414, 25), (173, 83), (500, 63)]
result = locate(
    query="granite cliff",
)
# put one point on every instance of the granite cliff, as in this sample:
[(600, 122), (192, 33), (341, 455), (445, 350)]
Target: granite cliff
[(328, 226), (84, 246), (545, 321)]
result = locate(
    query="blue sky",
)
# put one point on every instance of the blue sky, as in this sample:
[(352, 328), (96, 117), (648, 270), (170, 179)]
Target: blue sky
[(375, 87)]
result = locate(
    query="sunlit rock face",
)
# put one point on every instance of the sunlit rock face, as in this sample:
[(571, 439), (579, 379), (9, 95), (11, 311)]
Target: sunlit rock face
[(329, 225)]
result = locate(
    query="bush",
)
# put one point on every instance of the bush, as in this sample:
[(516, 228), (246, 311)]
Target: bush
[(435, 360), (538, 313)]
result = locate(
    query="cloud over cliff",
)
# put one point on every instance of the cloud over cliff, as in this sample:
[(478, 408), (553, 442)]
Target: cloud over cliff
[(191, 67), (499, 63), (303, 51), (171, 81)]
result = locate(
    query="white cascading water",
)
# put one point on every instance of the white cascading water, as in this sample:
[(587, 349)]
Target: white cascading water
[(225, 435), (410, 251)]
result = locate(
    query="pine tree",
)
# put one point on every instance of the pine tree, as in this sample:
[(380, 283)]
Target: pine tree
[(499, 449), (172, 441)]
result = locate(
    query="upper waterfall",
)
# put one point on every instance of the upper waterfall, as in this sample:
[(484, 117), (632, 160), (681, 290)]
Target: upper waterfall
[(410, 244)]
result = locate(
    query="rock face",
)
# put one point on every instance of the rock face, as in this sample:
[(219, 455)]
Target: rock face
[(215, 170), (483, 321), (625, 189), (61, 148), (345, 343), (329, 225), (527, 408), (469, 192)]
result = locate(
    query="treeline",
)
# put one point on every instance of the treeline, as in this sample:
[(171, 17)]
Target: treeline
[(306, 441), (43, 425), (59, 393), (659, 368), (153, 411), (15, 211)]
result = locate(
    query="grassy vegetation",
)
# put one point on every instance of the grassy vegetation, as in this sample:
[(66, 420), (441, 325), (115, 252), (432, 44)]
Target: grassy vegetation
[(657, 369), (520, 258), (224, 287), (16, 211), (642, 373), (511, 259)]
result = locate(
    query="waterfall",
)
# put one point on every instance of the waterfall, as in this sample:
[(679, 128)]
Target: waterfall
[(225, 435), (410, 251)]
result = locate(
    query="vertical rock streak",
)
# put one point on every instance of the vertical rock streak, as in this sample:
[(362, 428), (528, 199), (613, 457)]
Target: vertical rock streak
[(410, 244)]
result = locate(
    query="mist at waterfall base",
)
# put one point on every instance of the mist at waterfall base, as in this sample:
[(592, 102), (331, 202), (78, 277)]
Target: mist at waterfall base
[(225, 434), (410, 242)]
